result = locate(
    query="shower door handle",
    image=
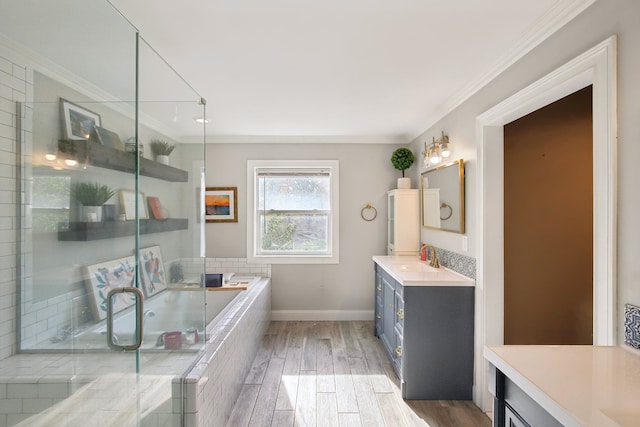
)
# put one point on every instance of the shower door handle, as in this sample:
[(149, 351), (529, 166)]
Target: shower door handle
[(139, 319)]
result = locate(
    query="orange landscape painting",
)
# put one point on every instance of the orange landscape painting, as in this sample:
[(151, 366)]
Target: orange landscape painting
[(218, 205)]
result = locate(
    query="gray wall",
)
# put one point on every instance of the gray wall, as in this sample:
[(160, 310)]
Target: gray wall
[(601, 20), (366, 174)]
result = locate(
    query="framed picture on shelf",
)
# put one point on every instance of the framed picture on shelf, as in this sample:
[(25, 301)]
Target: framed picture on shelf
[(108, 138), (128, 203), (78, 122), (221, 204), (153, 276), (106, 276), (157, 210)]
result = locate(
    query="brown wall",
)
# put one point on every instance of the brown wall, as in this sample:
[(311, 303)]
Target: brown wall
[(549, 224)]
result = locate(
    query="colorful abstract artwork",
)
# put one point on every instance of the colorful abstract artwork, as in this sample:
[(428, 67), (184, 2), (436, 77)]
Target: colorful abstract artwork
[(109, 275), (153, 276)]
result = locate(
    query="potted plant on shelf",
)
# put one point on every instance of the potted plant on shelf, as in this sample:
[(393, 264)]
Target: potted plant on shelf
[(161, 149), (92, 196), (402, 159)]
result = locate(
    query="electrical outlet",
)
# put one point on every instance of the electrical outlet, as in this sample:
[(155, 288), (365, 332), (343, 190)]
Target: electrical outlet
[(465, 243)]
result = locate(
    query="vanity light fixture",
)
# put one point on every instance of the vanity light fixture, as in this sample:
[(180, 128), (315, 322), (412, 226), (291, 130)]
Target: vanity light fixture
[(437, 151)]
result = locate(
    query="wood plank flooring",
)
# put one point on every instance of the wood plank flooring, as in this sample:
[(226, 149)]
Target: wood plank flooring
[(326, 374)]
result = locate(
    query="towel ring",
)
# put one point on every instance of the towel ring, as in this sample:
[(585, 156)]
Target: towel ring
[(443, 206), (369, 217)]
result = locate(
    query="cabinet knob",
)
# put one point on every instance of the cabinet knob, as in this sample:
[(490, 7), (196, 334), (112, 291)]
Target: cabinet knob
[(379, 288), (400, 314), (399, 351), (379, 316)]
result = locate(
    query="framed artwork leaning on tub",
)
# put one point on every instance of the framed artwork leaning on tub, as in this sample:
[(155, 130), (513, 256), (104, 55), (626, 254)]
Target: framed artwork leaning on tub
[(106, 276), (152, 272)]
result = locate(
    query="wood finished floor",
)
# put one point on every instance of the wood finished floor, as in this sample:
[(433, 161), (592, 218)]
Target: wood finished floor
[(328, 374)]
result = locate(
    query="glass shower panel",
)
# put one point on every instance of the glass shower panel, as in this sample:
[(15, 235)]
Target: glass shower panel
[(109, 236), (170, 259)]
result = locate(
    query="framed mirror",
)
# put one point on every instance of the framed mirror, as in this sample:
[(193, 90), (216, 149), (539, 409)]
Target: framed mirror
[(443, 197)]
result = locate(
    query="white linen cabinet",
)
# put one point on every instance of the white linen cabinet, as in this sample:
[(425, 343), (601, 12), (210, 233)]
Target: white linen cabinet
[(403, 227)]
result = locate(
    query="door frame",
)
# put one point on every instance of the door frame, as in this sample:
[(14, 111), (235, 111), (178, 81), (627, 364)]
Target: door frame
[(596, 67)]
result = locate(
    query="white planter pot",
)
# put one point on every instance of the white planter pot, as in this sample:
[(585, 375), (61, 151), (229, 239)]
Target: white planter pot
[(92, 213), (162, 159), (404, 183)]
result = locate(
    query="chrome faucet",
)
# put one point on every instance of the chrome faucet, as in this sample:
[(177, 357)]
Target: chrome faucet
[(147, 314), (433, 261)]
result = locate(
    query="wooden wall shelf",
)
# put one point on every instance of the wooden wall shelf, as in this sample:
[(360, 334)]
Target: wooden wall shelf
[(85, 231), (95, 154)]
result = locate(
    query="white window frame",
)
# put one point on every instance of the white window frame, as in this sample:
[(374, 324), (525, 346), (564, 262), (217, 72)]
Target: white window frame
[(252, 212)]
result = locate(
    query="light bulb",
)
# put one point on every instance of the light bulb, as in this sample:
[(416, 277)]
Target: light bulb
[(444, 150), (435, 155), (71, 162), (50, 157)]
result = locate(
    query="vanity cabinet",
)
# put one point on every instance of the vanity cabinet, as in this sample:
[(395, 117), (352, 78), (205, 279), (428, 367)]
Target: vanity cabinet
[(512, 407), (427, 332), (403, 226)]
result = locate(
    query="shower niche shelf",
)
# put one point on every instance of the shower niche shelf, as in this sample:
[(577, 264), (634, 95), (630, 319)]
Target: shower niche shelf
[(86, 231), (96, 154)]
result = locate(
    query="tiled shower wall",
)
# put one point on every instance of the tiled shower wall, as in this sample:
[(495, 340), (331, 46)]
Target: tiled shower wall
[(16, 84)]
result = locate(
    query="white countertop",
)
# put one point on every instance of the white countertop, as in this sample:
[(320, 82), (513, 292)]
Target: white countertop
[(410, 271), (578, 385)]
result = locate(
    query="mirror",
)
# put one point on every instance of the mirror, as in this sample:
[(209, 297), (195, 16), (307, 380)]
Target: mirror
[(443, 197)]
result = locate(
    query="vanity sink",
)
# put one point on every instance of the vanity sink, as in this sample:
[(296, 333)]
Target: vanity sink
[(415, 267), (411, 271)]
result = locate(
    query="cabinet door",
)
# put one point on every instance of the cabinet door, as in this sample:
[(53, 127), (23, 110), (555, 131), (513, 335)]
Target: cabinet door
[(378, 303), (388, 314), (397, 353), (399, 313), (511, 418), (391, 227)]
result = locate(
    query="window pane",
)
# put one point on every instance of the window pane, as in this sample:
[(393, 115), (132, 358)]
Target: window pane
[(51, 195), (298, 233), (295, 192)]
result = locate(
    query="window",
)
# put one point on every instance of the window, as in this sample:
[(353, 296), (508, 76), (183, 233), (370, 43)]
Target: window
[(292, 211), (50, 203)]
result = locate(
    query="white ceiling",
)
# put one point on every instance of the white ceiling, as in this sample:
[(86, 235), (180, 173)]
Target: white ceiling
[(339, 70)]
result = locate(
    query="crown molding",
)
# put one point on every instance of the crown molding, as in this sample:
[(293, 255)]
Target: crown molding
[(21, 54), (297, 139), (554, 19)]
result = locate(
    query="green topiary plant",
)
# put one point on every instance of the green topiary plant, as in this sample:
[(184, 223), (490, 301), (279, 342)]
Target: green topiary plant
[(91, 194), (402, 159), (161, 148)]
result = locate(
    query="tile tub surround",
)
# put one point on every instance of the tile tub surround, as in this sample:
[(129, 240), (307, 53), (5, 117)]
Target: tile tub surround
[(214, 383), (39, 387)]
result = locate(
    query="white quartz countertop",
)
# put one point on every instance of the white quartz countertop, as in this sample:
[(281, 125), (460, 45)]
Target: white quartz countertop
[(410, 271), (578, 385)]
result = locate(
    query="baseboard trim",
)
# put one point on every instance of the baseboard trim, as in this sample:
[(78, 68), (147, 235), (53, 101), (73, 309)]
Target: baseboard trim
[(327, 315)]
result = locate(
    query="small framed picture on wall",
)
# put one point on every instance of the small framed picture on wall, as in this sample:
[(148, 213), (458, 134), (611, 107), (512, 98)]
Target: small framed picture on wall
[(221, 204)]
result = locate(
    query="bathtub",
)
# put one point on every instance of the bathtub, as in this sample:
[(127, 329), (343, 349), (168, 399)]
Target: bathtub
[(169, 311), (196, 389)]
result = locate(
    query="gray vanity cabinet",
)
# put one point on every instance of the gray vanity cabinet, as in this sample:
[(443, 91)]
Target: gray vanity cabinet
[(427, 332)]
